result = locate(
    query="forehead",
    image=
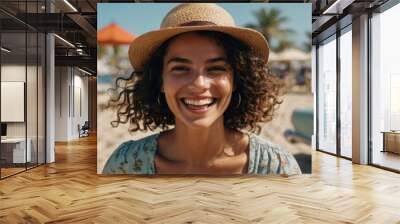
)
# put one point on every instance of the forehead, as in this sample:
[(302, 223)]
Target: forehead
[(194, 44)]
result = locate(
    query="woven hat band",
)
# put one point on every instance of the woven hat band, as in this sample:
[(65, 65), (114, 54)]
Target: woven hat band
[(198, 23)]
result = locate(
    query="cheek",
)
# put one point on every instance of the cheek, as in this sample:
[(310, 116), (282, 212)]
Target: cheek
[(225, 86), (171, 86)]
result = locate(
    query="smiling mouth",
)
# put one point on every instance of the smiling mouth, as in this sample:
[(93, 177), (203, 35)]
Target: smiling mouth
[(199, 105)]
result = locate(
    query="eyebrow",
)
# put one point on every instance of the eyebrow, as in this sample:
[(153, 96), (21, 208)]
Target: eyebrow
[(185, 60), (179, 59), (212, 60)]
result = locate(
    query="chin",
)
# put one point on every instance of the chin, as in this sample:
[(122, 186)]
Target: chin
[(203, 123)]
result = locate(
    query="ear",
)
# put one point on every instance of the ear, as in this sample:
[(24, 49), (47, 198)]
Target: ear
[(162, 88)]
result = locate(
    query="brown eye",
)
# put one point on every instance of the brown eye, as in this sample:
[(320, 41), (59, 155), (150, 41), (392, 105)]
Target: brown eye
[(180, 69), (217, 69)]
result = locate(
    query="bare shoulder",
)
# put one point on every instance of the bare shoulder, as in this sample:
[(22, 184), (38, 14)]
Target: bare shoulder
[(240, 142)]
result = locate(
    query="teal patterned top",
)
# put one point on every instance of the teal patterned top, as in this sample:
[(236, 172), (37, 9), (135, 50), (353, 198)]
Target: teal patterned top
[(137, 157)]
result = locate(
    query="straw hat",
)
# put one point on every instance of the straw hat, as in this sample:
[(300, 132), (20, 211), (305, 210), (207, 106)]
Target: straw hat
[(194, 17)]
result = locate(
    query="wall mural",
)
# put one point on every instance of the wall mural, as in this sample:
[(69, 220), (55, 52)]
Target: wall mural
[(213, 89)]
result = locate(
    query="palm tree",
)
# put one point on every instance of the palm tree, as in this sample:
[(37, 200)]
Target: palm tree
[(269, 23), (283, 44)]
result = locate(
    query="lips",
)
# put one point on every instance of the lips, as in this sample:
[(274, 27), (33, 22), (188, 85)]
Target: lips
[(198, 105)]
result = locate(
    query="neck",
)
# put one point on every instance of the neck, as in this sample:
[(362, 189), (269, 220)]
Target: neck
[(199, 147)]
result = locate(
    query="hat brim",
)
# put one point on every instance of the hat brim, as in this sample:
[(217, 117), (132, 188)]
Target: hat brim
[(143, 47)]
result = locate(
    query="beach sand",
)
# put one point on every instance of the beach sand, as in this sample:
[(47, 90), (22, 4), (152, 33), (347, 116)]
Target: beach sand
[(274, 129), (109, 138)]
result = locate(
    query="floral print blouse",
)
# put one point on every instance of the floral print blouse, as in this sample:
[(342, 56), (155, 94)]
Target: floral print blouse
[(137, 157)]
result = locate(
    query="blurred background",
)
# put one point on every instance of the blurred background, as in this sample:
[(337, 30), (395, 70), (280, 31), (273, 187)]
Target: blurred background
[(287, 27)]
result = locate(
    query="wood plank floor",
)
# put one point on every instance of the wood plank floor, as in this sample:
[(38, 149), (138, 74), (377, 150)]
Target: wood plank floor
[(70, 191), (388, 159), (10, 171)]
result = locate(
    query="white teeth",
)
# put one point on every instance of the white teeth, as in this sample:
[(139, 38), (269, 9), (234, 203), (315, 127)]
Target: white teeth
[(201, 102)]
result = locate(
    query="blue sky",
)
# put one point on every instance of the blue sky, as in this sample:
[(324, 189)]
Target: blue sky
[(139, 18)]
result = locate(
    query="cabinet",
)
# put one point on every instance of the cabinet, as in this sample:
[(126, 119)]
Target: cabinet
[(13, 150), (391, 141)]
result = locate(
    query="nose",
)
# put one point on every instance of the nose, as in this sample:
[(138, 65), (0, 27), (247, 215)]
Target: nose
[(200, 81)]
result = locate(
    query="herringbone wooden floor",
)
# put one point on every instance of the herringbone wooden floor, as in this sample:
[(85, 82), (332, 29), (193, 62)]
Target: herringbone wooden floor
[(70, 191)]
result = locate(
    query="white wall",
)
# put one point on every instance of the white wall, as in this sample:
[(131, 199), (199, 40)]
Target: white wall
[(80, 102), (62, 80), (33, 126), (12, 73), (12, 101), (70, 83)]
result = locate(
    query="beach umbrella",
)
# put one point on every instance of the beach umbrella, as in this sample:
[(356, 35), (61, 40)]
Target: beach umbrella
[(293, 54), (114, 34)]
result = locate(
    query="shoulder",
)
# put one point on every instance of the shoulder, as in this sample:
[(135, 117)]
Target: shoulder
[(268, 158), (133, 157)]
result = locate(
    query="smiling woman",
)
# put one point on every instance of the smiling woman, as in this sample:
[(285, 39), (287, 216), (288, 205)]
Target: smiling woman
[(208, 79)]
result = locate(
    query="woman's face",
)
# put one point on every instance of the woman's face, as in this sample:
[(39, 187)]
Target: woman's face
[(197, 80)]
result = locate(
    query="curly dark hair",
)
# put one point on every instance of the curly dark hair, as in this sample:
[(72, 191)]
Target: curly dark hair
[(140, 102)]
